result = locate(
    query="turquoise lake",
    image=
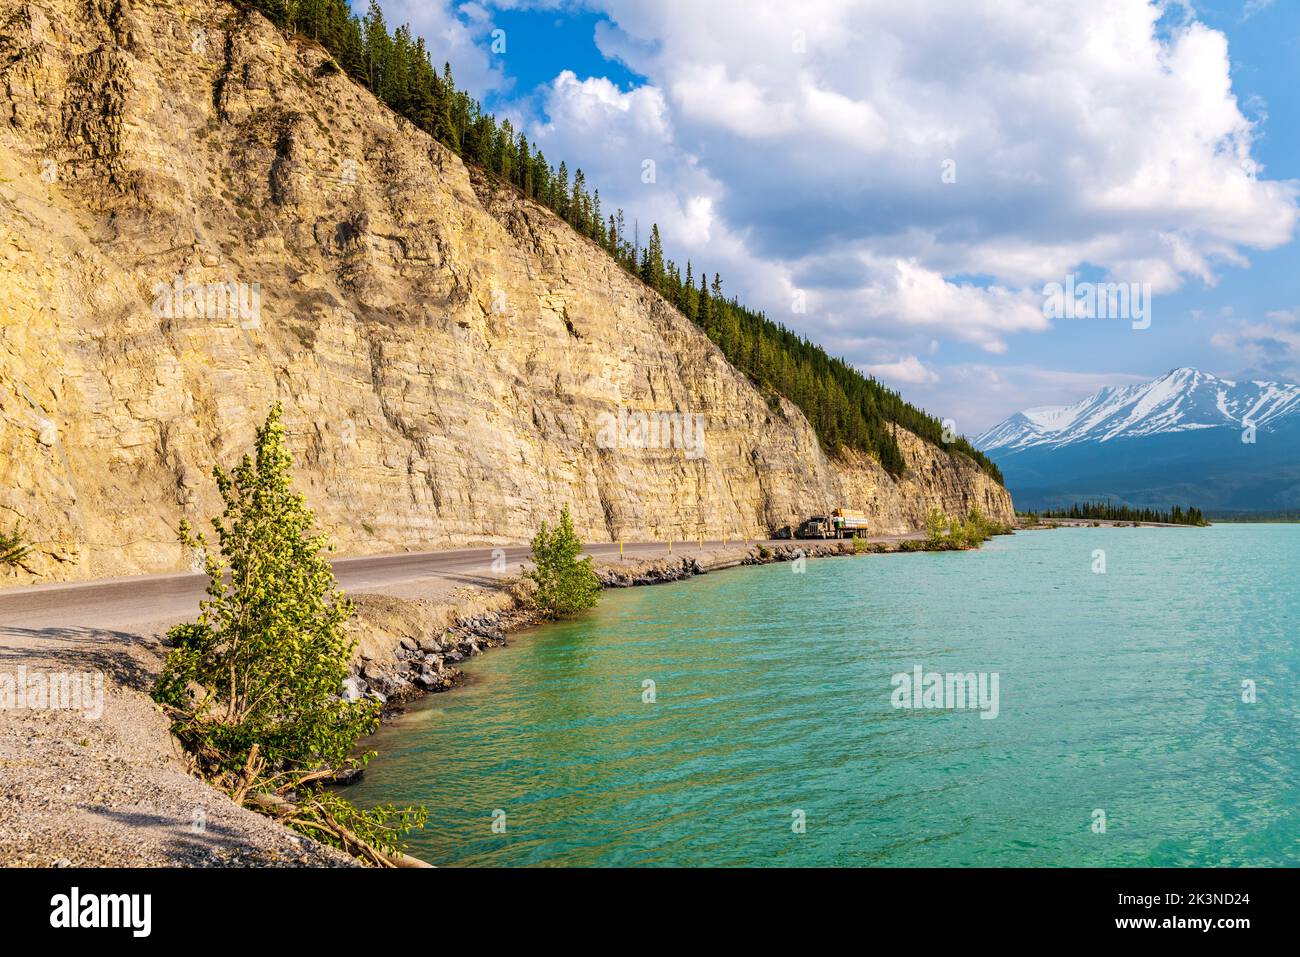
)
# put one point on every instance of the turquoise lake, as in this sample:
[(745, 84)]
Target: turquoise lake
[(1119, 693)]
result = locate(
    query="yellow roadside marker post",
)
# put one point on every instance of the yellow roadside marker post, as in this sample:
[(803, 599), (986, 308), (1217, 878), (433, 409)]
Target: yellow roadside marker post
[(620, 549)]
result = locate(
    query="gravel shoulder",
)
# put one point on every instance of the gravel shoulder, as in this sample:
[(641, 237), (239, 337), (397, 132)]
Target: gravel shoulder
[(111, 790)]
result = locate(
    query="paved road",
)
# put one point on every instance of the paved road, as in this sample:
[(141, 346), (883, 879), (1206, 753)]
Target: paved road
[(122, 602)]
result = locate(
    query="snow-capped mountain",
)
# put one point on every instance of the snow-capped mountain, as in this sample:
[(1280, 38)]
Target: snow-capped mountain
[(1180, 401), (1180, 439)]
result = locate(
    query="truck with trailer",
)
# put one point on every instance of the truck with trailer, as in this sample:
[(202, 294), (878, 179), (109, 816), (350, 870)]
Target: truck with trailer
[(849, 523), (841, 523)]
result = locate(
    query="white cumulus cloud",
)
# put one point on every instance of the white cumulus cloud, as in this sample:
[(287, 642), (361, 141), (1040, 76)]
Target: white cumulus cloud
[(908, 370), (916, 171), (1076, 133)]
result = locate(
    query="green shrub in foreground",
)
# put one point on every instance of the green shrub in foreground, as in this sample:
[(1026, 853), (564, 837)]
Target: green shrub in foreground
[(252, 687), (565, 584)]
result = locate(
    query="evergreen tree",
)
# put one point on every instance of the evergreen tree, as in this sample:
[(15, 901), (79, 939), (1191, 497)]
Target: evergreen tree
[(577, 203), (1109, 512), (561, 183), (705, 308), (378, 46), (12, 547), (652, 261), (597, 221)]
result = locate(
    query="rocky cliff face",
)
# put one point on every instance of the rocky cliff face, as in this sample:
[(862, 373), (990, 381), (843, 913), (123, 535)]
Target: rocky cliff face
[(199, 218)]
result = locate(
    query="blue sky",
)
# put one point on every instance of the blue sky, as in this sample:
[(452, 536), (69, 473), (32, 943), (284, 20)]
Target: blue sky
[(543, 43), (799, 149)]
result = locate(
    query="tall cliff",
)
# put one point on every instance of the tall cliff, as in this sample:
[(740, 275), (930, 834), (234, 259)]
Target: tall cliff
[(200, 217)]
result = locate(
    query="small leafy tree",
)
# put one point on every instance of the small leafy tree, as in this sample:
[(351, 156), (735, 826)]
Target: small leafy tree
[(12, 547), (936, 527), (974, 531), (565, 585), (253, 686), (945, 534)]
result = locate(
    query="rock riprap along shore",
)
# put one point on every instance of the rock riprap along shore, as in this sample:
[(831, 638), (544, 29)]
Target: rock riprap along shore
[(409, 647)]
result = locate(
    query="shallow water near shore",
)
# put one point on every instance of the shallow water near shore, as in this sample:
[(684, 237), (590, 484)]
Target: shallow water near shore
[(1118, 692)]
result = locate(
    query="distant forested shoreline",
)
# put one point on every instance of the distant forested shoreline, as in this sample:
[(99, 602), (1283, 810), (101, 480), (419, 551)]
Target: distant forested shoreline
[(1108, 512)]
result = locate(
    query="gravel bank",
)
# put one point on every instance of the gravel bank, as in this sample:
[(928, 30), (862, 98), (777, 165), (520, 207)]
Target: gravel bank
[(82, 790)]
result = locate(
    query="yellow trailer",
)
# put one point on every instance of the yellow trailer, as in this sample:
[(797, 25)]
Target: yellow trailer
[(849, 522)]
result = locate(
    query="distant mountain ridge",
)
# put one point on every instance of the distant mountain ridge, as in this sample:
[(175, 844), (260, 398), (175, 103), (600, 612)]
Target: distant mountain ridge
[(1182, 400), (1184, 437)]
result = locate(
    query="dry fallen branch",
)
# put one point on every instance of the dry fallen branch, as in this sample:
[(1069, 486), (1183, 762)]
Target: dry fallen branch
[(299, 815)]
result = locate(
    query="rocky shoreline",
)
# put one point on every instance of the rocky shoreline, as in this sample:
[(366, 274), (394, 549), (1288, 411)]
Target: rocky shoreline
[(427, 663), (419, 650)]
